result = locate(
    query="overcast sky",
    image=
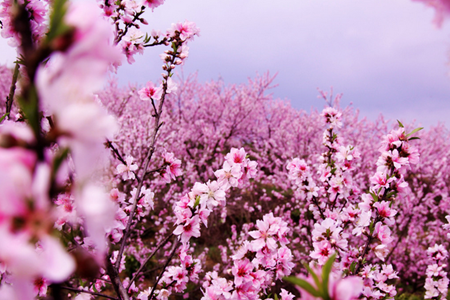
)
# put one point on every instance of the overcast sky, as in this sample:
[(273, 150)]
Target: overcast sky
[(385, 56)]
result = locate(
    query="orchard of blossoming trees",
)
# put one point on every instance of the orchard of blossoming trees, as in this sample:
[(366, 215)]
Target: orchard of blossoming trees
[(197, 190)]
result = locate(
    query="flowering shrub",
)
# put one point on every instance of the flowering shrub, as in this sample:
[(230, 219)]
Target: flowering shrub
[(204, 191)]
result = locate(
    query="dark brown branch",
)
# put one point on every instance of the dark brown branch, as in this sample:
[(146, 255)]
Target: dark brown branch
[(124, 32), (318, 206), (115, 280), (87, 292), (12, 90), (116, 152)]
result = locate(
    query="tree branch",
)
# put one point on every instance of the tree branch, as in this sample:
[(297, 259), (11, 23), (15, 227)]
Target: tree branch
[(87, 292), (175, 246), (136, 274), (115, 280), (12, 90)]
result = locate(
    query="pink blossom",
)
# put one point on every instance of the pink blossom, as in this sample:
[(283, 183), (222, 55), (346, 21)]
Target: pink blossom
[(380, 180), (384, 209), (284, 262), (236, 156), (173, 168), (241, 271), (332, 116), (229, 175), (153, 3), (186, 30), (127, 170), (298, 170), (188, 229), (150, 92), (383, 233), (40, 286), (285, 295), (98, 212), (348, 288), (264, 235), (322, 251), (172, 87)]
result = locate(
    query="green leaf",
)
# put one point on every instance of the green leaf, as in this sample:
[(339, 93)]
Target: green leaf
[(315, 277), (352, 267), (4, 116), (20, 60), (414, 138), (371, 228), (375, 197), (197, 201), (326, 270), (275, 296), (414, 131), (304, 285), (400, 124), (30, 110), (147, 38), (59, 158), (390, 194), (57, 26)]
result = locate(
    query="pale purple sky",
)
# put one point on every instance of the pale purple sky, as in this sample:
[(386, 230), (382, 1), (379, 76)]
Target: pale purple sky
[(385, 56)]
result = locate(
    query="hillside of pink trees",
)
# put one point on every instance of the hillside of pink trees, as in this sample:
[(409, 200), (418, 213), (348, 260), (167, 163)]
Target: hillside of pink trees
[(182, 189), (206, 121)]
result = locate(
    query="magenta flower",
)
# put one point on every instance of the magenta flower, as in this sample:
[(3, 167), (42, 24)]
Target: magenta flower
[(241, 271), (150, 91), (322, 251), (153, 3), (173, 168), (383, 233), (384, 209), (380, 180), (189, 229)]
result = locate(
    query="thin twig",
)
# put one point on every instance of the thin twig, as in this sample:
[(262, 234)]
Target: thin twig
[(147, 160), (124, 32), (87, 292), (155, 170), (156, 43), (136, 274), (175, 246), (366, 249), (318, 206), (116, 152)]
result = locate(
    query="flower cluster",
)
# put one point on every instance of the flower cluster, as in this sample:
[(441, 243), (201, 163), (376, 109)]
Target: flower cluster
[(36, 154), (378, 282), (37, 13), (436, 284), (272, 260)]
